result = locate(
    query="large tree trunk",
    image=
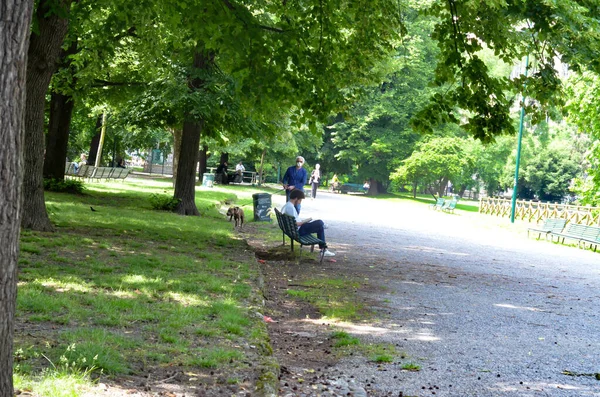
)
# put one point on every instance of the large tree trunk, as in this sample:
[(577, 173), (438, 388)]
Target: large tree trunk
[(16, 16), (57, 140), (185, 184), (44, 49)]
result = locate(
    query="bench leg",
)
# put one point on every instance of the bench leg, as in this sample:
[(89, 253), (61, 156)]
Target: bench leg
[(322, 255)]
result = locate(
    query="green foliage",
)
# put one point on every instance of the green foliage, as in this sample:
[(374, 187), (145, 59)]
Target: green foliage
[(73, 186), (511, 30), (163, 202), (434, 163)]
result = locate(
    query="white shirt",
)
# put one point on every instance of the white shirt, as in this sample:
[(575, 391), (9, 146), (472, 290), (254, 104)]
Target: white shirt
[(289, 209), (240, 167)]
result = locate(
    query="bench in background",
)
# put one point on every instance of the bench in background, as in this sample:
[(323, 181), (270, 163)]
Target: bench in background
[(550, 225)]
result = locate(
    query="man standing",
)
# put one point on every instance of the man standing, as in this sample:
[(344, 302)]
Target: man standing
[(295, 178)]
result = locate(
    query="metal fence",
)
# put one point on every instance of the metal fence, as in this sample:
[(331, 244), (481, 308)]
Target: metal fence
[(536, 211)]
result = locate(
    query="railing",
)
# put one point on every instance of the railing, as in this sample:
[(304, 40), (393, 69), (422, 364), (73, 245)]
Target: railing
[(535, 211)]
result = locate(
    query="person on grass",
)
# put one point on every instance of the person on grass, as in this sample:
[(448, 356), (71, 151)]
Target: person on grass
[(307, 226)]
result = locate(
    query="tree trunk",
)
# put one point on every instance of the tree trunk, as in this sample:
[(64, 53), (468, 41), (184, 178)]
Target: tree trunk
[(224, 158), (202, 161), (185, 184), (57, 139), (260, 169), (44, 49), (176, 151), (14, 34), (93, 153)]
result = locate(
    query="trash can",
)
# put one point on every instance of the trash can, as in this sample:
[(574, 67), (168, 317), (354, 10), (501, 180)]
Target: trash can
[(208, 180), (262, 206)]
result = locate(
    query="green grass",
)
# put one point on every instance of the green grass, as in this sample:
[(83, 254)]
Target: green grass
[(332, 298), (126, 288)]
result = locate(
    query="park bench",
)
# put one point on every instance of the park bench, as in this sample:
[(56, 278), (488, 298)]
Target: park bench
[(581, 233), (439, 203), (288, 226), (550, 225), (90, 172), (352, 187), (450, 205)]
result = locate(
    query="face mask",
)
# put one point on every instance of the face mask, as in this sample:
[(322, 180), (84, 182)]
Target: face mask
[(299, 164)]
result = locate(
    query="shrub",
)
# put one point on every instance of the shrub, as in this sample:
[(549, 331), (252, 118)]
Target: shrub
[(64, 186), (163, 202)]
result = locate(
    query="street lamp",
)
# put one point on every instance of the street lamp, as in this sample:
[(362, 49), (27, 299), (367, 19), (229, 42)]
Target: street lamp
[(514, 195)]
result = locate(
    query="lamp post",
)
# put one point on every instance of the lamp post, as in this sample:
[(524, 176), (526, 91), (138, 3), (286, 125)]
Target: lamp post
[(514, 195)]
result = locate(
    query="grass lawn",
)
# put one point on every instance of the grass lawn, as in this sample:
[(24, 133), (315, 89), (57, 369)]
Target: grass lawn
[(126, 291)]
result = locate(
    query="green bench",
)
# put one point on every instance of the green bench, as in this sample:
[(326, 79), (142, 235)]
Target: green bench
[(581, 233), (550, 225), (449, 206), (288, 226), (439, 203), (352, 187)]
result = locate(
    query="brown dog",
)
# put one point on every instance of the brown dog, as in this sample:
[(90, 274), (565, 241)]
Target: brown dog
[(237, 214)]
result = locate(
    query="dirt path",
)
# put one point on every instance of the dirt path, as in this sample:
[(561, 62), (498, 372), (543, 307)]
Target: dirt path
[(480, 309)]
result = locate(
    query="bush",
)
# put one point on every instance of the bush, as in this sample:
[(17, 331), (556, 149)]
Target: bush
[(163, 202), (73, 186)]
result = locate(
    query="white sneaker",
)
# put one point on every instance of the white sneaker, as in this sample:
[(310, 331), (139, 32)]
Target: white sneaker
[(328, 253)]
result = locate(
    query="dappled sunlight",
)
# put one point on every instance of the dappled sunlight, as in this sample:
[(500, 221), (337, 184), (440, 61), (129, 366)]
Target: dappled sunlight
[(509, 306), (421, 334), (544, 387), (433, 250), (187, 299)]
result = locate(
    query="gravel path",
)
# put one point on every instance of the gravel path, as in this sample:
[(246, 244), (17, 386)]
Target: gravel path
[(483, 310)]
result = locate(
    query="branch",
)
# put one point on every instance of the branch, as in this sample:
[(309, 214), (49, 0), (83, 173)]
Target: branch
[(104, 83), (233, 8)]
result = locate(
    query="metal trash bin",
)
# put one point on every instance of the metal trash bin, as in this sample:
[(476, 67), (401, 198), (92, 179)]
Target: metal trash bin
[(208, 180), (262, 206)]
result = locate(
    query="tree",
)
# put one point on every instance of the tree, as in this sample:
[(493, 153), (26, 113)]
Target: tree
[(43, 55), (14, 35), (375, 135), (433, 164)]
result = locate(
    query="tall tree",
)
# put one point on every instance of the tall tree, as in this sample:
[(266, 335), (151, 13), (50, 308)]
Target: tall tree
[(15, 17), (44, 49)]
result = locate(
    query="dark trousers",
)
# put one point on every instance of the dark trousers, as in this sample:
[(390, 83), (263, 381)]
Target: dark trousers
[(315, 226), (314, 187)]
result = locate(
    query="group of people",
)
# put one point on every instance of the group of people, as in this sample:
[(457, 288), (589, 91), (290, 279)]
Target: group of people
[(222, 176), (294, 180)]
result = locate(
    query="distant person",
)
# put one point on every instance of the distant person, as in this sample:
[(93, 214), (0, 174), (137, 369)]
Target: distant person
[(335, 182), (222, 173), (309, 226), (366, 186), (239, 172), (295, 178), (82, 161), (315, 179)]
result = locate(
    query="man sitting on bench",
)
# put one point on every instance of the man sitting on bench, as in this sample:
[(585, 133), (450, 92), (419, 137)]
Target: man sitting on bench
[(306, 226)]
